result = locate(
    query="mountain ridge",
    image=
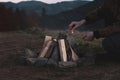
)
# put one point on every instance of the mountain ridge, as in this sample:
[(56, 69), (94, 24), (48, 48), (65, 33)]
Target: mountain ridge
[(51, 9), (61, 20)]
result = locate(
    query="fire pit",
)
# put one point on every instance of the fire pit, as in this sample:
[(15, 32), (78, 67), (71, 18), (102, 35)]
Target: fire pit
[(57, 52)]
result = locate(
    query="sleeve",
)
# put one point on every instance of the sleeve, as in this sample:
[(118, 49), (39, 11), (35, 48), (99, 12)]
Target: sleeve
[(95, 15), (115, 28)]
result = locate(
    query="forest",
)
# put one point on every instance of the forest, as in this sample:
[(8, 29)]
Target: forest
[(11, 19)]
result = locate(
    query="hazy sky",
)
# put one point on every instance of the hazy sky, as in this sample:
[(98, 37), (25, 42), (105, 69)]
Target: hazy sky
[(46, 1)]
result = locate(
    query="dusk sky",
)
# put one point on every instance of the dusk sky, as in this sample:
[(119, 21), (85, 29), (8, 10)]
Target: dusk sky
[(46, 1)]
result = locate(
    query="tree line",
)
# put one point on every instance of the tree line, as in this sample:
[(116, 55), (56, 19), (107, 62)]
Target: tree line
[(16, 19)]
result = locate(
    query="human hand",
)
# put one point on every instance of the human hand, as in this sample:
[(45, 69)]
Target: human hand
[(75, 24), (88, 36)]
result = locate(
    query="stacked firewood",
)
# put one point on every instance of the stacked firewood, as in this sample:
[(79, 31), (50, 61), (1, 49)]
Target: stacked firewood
[(56, 51)]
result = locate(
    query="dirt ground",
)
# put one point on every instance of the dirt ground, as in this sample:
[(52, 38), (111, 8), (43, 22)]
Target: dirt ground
[(12, 45)]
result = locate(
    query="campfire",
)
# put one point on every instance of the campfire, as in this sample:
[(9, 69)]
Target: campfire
[(58, 52)]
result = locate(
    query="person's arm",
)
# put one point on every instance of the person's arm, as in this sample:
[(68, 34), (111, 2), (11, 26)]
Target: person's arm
[(115, 28), (75, 24), (91, 17)]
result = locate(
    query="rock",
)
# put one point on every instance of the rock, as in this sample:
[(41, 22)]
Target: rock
[(52, 62), (45, 62), (41, 62), (31, 60), (30, 54), (67, 64)]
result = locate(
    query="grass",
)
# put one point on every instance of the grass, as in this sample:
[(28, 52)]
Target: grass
[(80, 46), (12, 70)]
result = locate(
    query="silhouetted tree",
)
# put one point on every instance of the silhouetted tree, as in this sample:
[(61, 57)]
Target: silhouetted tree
[(12, 20)]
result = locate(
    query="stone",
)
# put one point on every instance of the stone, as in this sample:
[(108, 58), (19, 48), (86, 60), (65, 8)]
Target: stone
[(67, 64), (30, 54), (38, 61)]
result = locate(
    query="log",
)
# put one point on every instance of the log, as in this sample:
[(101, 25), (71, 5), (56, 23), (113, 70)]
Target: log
[(74, 55), (50, 50), (45, 49), (68, 51), (47, 38), (62, 48)]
